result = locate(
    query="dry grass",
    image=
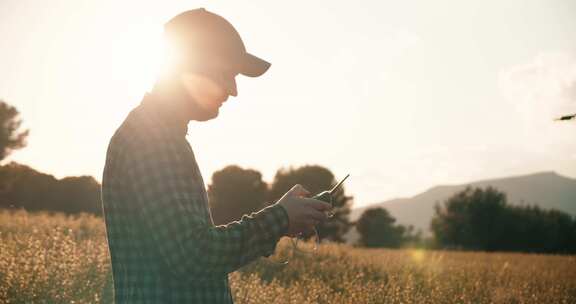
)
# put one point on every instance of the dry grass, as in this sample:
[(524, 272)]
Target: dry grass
[(57, 259)]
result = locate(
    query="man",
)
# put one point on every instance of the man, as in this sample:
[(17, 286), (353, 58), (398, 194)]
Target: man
[(163, 244)]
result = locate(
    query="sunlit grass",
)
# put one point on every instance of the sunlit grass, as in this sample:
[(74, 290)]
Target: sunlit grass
[(57, 259)]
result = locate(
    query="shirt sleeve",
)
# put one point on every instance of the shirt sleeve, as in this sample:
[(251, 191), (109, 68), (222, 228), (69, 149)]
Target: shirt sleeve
[(171, 206)]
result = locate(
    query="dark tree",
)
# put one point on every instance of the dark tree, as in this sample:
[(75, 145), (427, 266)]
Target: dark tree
[(377, 228), (471, 219), (11, 137), (24, 187), (78, 194), (532, 229), (234, 192), (481, 219), (317, 179)]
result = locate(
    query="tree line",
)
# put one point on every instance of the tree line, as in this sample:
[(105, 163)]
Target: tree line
[(233, 192), (26, 188), (476, 219), (22, 187), (482, 219)]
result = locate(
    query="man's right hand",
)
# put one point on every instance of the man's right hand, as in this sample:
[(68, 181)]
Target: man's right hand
[(303, 213)]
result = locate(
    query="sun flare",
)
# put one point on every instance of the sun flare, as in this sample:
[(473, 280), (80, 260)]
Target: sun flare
[(417, 255), (138, 57)]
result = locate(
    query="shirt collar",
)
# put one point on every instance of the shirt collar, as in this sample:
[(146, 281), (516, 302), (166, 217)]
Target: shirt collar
[(166, 113)]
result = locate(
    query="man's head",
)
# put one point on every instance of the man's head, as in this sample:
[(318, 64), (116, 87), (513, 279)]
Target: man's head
[(206, 54)]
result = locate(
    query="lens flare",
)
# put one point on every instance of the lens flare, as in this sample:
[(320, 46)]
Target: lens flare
[(417, 255)]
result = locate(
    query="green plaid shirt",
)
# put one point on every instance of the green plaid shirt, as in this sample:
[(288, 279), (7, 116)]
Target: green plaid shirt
[(163, 244)]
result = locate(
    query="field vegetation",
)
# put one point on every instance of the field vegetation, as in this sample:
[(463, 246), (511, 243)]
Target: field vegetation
[(52, 258)]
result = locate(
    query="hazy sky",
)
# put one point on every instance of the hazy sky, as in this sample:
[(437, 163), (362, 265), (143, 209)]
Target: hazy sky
[(403, 95)]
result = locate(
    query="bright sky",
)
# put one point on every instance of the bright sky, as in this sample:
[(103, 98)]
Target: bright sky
[(403, 95)]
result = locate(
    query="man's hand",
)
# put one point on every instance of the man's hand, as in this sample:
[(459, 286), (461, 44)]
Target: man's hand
[(303, 213)]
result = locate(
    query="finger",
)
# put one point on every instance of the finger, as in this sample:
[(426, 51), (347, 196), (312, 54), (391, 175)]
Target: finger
[(319, 205), (309, 229), (298, 190), (317, 216)]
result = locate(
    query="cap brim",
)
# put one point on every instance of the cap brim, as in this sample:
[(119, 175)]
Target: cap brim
[(253, 66)]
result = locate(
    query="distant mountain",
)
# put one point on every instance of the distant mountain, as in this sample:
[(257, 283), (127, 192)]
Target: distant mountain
[(547, 190)]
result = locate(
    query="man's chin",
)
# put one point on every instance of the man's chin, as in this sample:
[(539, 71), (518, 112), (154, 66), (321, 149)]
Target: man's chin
[(205, 115), (204, 111)]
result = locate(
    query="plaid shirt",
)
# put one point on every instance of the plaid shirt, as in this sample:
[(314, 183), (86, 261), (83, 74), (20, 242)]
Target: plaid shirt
[(163, 244)]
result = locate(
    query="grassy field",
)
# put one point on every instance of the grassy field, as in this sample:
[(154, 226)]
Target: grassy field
[(57, 259)]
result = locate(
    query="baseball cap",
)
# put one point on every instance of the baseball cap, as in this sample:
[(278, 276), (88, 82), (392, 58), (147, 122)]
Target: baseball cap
[(198, 33)]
